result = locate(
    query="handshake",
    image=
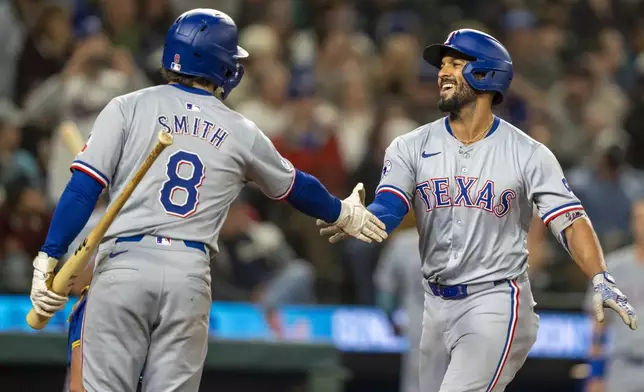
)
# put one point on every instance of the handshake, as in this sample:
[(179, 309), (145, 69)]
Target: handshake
[(354, 220)]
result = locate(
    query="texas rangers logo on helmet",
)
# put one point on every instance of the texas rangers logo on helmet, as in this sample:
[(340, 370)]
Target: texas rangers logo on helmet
[(175, 66)]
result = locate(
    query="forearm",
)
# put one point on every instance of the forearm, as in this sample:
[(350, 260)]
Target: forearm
[(72, 212), (584, 247), (310, 197), (389, 208)]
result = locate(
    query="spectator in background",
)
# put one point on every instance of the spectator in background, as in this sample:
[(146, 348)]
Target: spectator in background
[(619, 366), (356, 117), (310, 144), (634, 124), (398, 280), (520, 27), (398, 68), (120, 19), (45, 52), (268, 109), (157, 15), (360, 258), (24, 221), (14, 161), (567, 105), (608, 182), (256, 264), (265, 48), (95, 73), (17, 17), (423, 95)]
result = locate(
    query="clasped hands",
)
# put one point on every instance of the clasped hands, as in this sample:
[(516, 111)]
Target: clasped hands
[(354, 221)]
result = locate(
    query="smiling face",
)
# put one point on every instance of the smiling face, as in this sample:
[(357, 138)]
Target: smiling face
[(455, 92)]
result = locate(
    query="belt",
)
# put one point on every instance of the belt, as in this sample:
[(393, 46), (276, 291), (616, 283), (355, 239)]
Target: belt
[(163, 241), (461, 290)]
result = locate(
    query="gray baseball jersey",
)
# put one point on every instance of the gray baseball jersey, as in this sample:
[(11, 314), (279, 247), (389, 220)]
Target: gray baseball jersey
[(187, 191), (398, 273), (625, 370), (628, 272), (473, 204)]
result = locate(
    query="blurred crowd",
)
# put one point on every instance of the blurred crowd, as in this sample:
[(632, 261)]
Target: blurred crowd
[(331, 82)]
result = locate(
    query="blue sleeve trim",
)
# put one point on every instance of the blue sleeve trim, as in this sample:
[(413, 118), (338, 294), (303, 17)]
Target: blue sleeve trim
[(74, 208), (396, 191), (389, 208), (548, 216), (310, 197)]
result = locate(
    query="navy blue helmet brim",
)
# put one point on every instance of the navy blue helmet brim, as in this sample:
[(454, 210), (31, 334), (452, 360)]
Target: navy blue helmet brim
[(433, 54)]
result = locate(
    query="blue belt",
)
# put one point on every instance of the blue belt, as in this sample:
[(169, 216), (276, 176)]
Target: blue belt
[(461, 290), (138, 238)]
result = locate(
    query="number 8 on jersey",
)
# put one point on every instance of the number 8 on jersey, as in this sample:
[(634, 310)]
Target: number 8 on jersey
[(185, 172)]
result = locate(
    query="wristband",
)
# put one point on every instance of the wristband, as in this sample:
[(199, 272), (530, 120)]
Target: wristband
[(597, 367)]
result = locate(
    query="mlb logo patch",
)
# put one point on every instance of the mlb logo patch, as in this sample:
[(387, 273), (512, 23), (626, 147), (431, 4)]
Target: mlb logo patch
[(175, 66), (192, 108), (164, 241)]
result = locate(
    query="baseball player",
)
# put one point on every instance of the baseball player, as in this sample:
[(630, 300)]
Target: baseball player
[(398, 283), (148, 305), (620, 367), (472, 179)]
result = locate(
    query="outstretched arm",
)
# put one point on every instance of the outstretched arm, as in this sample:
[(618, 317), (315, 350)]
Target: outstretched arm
[(563, 213), (279, 180)]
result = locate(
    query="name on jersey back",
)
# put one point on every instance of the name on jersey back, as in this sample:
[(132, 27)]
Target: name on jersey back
[(194, 126)]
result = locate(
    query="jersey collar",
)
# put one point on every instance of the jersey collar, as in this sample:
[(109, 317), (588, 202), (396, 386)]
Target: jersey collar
[(495, 125), (191, 90)]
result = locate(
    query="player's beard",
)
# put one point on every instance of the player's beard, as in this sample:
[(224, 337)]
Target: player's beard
[(463, 95)]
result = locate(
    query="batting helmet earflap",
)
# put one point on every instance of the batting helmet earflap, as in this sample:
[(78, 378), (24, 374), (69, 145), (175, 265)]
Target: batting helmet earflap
[(204, 42), (488, 58)]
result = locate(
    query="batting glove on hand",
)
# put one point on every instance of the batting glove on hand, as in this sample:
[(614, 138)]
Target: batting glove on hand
[(45, 301), (354, 220), (607, 295)]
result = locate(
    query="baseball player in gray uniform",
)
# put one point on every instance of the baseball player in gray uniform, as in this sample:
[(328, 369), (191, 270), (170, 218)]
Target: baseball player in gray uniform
[(472, 180), (149, 301), (397, 283), (619, 365)]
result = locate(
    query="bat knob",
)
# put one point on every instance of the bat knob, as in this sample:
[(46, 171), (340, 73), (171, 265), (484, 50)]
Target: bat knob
[(165, 138)]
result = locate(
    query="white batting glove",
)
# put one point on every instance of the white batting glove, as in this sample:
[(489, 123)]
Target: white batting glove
[(607, 295), (45, 301), (354, 220)]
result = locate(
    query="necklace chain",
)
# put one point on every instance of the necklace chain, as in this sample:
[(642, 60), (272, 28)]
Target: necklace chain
[(477, 137)]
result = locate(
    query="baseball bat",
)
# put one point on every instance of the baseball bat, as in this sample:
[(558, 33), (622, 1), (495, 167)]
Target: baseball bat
[(71, 137), (64, 279)]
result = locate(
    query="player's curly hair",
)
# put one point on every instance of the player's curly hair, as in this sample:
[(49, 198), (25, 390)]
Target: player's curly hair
[(186, 80)]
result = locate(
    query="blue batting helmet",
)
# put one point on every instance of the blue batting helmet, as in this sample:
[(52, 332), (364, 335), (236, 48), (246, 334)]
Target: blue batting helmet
[(488, 58), (203, 42)]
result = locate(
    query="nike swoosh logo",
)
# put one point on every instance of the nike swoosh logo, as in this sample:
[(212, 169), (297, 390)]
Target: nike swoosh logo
[(426, 155), (114, 254)]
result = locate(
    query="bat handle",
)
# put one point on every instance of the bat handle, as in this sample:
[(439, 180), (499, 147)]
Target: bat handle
[(36, 321)]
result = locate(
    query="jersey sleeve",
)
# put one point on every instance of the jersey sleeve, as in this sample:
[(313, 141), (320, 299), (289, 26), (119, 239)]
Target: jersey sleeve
[(548, 189), (101, 154), (273, 173), (398, 172)]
